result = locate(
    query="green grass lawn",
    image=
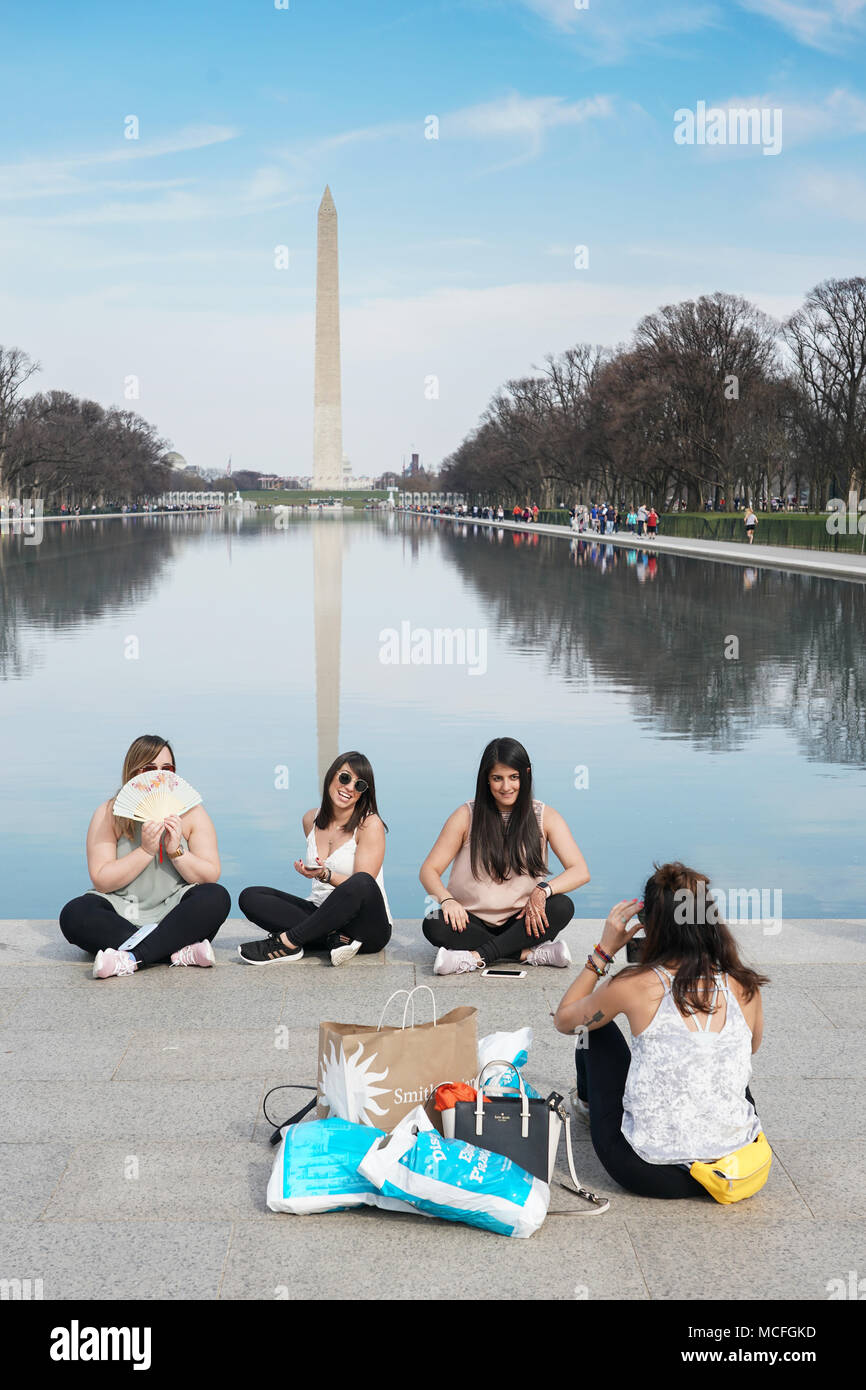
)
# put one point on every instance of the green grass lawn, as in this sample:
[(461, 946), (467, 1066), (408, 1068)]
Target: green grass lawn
[(808, 529)]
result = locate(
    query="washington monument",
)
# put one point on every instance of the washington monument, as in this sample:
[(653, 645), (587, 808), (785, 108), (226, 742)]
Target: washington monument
[(328, 416)]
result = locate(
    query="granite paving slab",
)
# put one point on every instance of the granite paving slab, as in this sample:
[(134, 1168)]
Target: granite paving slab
[(205, 1181), (830, 1175), (40, 1111), (790, 1260), (29, 1173), (40, 1054), (427, 1259), (119, 1260), (212, 1054)]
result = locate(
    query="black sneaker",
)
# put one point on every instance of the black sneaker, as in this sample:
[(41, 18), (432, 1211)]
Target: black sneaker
[(271, 951)]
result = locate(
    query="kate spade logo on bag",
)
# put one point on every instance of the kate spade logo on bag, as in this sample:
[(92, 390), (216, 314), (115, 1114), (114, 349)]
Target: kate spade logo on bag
[(500, 1117)]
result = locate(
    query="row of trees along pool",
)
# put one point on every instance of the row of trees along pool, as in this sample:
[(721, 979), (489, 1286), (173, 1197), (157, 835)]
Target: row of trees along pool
[(64, 450), (712, 399)]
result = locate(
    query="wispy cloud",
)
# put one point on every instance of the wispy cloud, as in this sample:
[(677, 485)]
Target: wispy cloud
[(828, 25), (514, 117), (37, 178), (843, 195), (841, 113), (609, 30), (522, 117)]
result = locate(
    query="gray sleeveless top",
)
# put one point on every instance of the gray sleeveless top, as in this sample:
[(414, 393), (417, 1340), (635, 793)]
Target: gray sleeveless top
[(152, 894)]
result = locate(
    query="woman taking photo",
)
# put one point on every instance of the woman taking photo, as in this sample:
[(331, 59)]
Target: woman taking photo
[(499, 903), (347, 910), (681, 1093), (146, 906)]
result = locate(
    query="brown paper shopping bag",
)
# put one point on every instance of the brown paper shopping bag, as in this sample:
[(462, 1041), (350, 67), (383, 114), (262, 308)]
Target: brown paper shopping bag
[(376, 1075)]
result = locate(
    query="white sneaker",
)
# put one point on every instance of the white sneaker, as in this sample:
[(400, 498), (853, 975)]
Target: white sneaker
[(110, 962), (341, 954), (454, 962), (198, 953), (549, 953)]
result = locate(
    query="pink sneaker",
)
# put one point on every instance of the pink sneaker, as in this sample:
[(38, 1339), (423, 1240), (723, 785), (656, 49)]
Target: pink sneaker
[(199, 953), (111, 962), (549, 953), (454, 962)]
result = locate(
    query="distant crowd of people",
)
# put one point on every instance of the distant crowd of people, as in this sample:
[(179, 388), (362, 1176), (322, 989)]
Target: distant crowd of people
[(604, 519)]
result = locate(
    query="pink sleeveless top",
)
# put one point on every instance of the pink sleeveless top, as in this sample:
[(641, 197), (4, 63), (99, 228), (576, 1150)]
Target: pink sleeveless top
[(491, 901)]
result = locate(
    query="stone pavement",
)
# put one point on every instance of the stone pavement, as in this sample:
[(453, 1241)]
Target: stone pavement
[(168, 1069), (834, 564)]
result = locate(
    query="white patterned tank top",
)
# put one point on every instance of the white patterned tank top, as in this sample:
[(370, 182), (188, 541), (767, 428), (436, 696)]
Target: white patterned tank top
[(342, 861), (685, 1094)]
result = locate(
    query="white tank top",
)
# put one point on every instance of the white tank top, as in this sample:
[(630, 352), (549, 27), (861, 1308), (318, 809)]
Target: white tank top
[(342, 861), (684, 1099)]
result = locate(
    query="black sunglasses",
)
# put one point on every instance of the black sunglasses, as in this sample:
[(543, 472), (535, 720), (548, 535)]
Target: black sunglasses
[(344, 778)]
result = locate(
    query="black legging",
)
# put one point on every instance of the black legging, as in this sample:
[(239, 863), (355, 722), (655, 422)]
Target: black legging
[(355, 908), (93, 923), (498, 943), (602, 1068)]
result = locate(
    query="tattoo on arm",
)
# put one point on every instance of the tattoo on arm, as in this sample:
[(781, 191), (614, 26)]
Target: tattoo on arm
[(596, 1018)]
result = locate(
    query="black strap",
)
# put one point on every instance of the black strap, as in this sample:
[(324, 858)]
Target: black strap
[(293, 1119)]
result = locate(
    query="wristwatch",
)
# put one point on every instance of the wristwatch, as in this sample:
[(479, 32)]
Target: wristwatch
[(178, 852), (546, 886)]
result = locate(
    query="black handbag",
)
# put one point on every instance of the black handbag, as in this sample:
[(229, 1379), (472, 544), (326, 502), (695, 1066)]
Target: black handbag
[(523, 1128)]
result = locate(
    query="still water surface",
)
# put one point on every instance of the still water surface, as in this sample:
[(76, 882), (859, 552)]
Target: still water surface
[(207, 631)]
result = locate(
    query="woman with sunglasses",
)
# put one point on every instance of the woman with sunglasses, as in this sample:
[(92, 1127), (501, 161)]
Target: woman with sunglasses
[(347, 910), (155, 894)]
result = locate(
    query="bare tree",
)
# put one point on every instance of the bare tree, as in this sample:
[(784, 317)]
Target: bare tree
[(16, 369), (827, 337)]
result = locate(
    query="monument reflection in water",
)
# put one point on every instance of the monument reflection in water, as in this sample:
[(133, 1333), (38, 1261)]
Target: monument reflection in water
[(598, 657)]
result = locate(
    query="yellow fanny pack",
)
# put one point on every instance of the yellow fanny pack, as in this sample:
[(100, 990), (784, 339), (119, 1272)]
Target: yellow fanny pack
[(737, 1175)]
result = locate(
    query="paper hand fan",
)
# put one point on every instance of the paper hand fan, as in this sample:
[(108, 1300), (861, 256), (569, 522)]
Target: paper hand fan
[(155, 795)]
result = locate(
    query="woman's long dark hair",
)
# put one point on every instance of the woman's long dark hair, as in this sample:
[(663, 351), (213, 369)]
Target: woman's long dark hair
[(673, 933), (501, 848), (366, 803)]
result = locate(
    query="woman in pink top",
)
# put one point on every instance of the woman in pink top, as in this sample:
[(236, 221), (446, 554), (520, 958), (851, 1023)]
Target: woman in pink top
[(499, 903)]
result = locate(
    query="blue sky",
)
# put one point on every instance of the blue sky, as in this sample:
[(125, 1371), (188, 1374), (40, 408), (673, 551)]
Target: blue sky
[(154, 257)]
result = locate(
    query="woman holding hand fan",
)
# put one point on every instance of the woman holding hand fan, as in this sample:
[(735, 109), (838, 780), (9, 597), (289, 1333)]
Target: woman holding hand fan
[(153, 861)]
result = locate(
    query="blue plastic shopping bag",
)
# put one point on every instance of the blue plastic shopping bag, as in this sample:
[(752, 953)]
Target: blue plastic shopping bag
[(457, 1182)]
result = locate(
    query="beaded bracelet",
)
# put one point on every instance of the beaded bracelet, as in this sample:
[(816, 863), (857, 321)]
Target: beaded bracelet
[(592, 965), (601, 952)]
